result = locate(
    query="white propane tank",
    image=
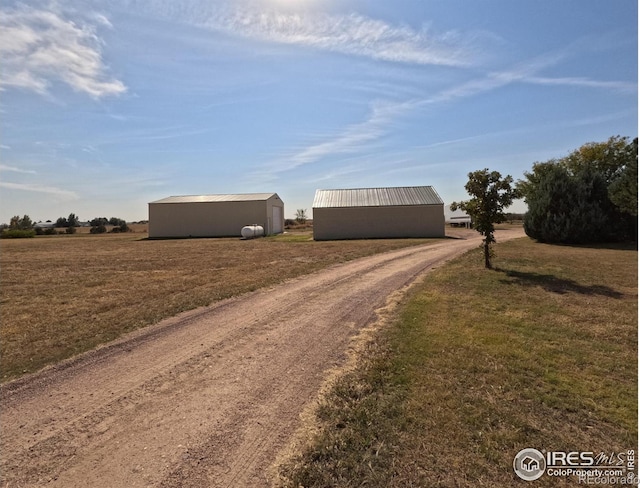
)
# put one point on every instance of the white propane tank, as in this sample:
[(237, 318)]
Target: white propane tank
[(251, 231)]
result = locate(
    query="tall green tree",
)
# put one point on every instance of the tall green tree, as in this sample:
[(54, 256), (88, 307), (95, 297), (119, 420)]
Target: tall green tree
[(73, 220), (623, 190), (591, 195), (566, 208), (607, 158), (490, 195), (18, 223)]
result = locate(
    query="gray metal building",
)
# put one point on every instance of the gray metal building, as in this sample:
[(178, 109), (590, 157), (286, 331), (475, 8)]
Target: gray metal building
[(215, 215), (362, 213)]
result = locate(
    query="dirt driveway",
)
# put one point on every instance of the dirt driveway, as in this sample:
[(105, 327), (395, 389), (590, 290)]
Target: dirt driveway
[(205, 399)]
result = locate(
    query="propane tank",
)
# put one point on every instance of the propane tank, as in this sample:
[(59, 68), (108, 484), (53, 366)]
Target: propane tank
[(251, 231)]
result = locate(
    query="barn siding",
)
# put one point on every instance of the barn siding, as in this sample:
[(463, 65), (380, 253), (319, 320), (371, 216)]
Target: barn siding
[(364, 213), (378, 222)]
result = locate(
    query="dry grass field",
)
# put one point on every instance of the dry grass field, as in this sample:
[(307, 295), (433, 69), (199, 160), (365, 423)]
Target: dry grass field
[(62, 295)]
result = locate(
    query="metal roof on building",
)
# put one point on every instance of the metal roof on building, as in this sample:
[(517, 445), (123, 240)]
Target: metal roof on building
[(239, 197), (377, 197)]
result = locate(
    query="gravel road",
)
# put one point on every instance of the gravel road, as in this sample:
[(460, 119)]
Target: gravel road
[(205, 399)]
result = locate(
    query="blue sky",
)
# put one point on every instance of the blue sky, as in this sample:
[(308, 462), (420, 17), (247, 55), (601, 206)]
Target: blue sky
[(106, 106)]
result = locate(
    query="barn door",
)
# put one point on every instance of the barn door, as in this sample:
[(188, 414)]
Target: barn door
[(276, 220)]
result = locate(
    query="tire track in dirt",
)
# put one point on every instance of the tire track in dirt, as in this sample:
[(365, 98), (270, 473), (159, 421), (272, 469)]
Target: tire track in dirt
[(207, 398)]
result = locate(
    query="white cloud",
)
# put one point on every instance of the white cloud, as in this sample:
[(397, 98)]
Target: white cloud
[(495, 80), (50, 190), (527, 73), (348, 34), (4, 167), (352, 34), (620, 86), (40, 46)]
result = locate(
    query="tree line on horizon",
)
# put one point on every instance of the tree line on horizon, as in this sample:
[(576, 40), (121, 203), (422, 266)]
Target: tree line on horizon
[(25, 227)]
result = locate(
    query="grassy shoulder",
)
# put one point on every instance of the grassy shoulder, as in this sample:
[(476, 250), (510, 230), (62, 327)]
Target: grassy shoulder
[(540, 353), (63, 295)]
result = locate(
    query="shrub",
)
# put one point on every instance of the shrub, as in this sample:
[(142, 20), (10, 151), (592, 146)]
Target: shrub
[(17, 233), (98, 221), (98, 229), (116, 222), (121, 228)]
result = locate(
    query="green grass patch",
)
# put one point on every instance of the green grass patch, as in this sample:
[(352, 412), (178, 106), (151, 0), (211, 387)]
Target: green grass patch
[(541, 353)]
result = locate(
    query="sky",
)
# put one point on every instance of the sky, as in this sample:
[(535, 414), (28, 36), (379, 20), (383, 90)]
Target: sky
[(107, 106)]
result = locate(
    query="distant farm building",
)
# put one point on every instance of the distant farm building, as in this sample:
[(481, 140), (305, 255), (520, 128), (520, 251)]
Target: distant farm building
[(460, 221), (215, 215), (364, 213), (44, 225)]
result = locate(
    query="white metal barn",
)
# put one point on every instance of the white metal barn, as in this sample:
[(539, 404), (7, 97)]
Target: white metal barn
[(365, 213), (215, 215)]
